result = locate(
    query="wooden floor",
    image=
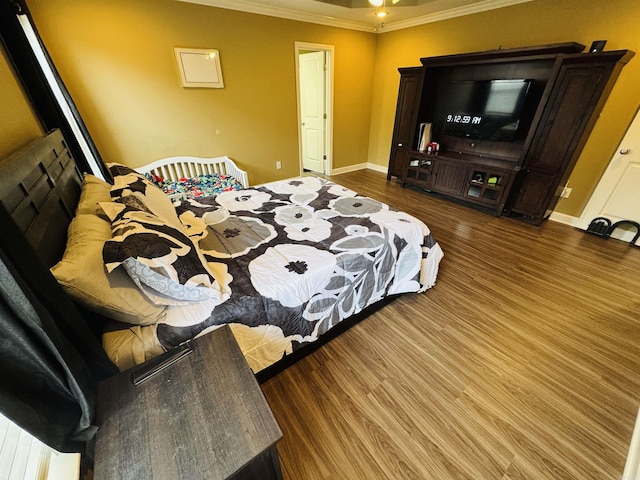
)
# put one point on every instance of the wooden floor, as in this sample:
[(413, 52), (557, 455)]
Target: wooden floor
[(523, 362)]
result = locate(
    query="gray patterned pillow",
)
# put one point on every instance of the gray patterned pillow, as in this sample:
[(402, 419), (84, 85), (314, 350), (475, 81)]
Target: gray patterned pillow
[(162, 261)]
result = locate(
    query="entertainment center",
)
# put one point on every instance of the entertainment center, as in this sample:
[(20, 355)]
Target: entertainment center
[(508, 124)]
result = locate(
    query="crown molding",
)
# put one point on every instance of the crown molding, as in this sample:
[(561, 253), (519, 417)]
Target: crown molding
[(249, 7), (451, 13), (261, 9)]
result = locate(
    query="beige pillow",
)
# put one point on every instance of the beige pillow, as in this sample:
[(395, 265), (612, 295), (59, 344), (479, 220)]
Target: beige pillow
[(94, 190), (82, 274), (133, 346)]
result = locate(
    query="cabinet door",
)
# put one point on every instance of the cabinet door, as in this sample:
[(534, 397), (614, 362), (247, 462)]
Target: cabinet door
[(579, 92), (449, 177), (575, 95), (534, 190), (396, 162), (403, 127), (418, 168), (486, 185)]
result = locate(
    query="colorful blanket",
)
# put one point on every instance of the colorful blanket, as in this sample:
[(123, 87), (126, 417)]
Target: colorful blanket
[(197, 187)]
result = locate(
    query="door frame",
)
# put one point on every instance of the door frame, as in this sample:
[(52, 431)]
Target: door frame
[(328, 138)]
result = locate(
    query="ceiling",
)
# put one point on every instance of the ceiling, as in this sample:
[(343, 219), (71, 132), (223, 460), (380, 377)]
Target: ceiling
[(358, 14)]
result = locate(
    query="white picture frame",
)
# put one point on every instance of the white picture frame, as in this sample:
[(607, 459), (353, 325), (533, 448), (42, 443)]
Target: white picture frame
[(199, 67)]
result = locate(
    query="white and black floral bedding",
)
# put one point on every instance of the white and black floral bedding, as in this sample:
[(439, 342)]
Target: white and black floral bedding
[(282, 263)]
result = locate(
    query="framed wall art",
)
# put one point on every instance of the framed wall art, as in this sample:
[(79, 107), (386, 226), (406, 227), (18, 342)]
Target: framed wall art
[(199, 67)]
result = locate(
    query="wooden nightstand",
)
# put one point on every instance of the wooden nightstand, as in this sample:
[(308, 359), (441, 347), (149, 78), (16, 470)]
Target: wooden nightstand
[(204, 417)]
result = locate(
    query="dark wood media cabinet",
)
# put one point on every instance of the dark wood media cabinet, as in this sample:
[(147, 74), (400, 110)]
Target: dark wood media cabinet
[(524, 177), (484, 181)]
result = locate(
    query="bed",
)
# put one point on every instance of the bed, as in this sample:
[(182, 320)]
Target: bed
[(287, 264)]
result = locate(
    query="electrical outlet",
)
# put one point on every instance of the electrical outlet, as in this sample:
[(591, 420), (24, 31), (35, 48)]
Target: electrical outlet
[(278, 165), (566, 191)]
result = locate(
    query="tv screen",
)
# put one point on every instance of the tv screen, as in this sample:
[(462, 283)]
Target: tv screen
[(480, 109)]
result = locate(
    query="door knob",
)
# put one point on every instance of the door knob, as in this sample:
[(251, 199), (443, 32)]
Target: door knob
[(624, 151)]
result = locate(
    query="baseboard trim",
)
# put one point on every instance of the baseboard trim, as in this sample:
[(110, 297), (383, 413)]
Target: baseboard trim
[(350, 168), (377, 168), (564, 218), (621, 234)]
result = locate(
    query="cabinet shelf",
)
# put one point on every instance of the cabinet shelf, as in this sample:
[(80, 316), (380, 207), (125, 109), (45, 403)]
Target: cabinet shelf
[(418, 169), (486, 186)]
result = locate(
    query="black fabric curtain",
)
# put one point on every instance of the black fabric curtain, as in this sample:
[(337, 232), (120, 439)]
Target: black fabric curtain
[(51, 362), (37, 87)]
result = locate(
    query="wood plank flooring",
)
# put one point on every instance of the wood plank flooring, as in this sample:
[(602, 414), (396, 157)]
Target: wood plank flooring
[(523, 362)]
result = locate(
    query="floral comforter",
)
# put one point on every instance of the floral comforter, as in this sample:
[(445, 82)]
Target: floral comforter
[(298, 257)]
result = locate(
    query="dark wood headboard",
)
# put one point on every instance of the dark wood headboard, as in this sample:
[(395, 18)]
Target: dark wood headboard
[(40, 188)]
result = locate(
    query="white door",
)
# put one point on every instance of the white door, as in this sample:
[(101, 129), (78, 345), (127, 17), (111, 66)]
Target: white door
[(617, 196), (312, 110)]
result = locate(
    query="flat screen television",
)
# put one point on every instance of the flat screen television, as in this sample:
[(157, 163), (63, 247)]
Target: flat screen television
[(480, 109)]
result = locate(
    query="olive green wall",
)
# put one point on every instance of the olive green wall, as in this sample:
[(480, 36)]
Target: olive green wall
[(117, 60), (17, 122), (534, 23)]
